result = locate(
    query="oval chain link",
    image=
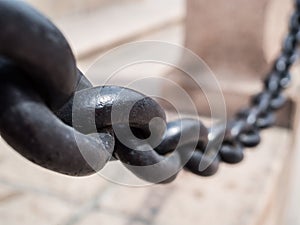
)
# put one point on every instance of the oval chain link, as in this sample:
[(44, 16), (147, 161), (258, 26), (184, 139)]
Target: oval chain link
[(38, 83)]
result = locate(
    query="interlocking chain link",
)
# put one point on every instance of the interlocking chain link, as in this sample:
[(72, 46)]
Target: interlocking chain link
[(38, 84), (243, 130)]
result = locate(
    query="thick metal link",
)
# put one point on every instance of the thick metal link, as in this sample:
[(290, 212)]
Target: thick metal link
[(39, 84), (30, 127), (40, 50), (41, 88)]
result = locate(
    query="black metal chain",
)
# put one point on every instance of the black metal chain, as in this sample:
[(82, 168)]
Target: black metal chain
[(244, 129), (41, 88)]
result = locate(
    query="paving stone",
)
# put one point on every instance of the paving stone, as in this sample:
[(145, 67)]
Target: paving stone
[(126, 200), (30, 209), (19, 173), (7, 194), (102, 218), (128, 206)]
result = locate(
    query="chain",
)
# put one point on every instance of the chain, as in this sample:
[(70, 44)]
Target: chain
[(243, 130), (41, 88)]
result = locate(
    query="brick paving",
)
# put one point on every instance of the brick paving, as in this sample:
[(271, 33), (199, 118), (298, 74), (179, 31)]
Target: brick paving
[(32, 195)]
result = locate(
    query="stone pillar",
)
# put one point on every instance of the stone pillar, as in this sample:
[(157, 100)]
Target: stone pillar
[(238, 39), (231, 35)]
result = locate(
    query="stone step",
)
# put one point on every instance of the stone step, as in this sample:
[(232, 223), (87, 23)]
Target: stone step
[(57, 9), (107, 27), (173, 34)]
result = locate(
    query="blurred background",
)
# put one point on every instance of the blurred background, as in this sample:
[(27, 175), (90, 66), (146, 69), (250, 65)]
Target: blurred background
[(238, 39)]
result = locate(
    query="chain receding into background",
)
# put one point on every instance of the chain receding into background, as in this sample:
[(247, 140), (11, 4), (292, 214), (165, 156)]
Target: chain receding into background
[(38, 82), (243, 130)]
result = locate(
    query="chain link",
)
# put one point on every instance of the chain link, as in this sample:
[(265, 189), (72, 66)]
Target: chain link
[(260, 114), (40, 83)]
